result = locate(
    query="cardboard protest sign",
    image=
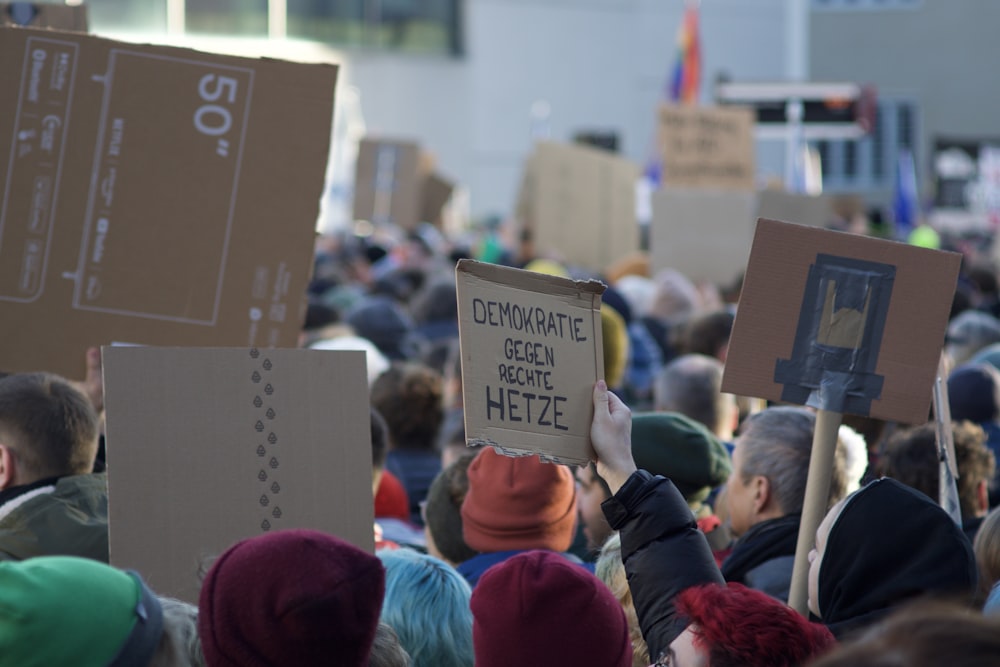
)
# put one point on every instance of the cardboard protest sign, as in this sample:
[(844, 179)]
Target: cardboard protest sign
[(579, 202), (435, 194), (153, 195), (841, 322), (815, 211), (389, 182), (705, 234), (707, 147), (44, 15), (531, 352), (207, 446)]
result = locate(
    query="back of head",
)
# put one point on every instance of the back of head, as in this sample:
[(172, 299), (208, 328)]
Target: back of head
[(537, 608), (291, 597), (427, 604), (610, 569), (518, 503), (386, 651), (968, 333), (911, 456), (987, 550), (777, 443), (49, 424), (409, 398), (924, 635), (974, 393), (741, 627), (709, 334), (692, 385), (670, 444), (60, 611), (443, 512), (888, 545), (181, 646)]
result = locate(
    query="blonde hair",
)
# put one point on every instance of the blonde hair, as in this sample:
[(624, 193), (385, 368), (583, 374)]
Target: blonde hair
[(179, 645), (611, 571)]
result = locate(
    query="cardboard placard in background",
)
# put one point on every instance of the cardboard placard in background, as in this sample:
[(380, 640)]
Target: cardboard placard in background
[(579, 203), (44, 15), (886, 318), (704, 234), (153, 195), (435, 194), (814, 211), (209, 446), (531, 352), (389, 182), (707, 147)]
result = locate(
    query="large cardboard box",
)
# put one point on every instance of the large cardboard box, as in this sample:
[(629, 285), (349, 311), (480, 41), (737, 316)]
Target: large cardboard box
[(153, 195), (705, 234), (44, 15), (209, 446), (707, 147), (531, 352), (578, 202), (841, 322)]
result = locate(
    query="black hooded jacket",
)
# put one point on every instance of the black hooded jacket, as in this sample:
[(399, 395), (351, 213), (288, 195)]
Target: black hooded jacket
[(890, 544)]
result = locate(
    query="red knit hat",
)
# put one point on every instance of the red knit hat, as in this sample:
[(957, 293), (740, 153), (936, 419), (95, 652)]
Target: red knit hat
[(291, 597), (537, 608), (518, 503), (741, 626)]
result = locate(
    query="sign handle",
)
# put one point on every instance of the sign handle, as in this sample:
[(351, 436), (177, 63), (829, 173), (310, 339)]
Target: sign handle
[(814, 506)]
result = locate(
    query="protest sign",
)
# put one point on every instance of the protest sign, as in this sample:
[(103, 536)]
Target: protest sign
[(531, 352), (705, 234), (578, 202), (389, 182), (707, 147), (815, 211), (435, 193), (44, 15), (207, 446), (153, 195)]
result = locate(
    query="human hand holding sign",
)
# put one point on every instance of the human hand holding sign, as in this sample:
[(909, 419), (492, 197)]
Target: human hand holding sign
[(611, 436)]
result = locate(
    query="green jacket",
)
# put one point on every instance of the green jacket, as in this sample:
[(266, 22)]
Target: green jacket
[(70, 519)]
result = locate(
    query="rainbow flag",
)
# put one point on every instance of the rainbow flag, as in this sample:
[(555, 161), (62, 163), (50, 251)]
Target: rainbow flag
[(685, 84)]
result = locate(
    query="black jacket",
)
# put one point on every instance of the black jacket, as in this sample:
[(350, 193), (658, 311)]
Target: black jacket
[(763, 558)]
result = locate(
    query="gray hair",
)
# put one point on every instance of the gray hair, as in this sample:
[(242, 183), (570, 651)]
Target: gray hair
[(180, 645), (777, 443), (692, 386), (386, 649)]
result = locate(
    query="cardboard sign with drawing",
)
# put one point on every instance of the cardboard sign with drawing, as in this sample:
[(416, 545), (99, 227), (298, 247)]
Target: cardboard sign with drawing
[(531, 352)]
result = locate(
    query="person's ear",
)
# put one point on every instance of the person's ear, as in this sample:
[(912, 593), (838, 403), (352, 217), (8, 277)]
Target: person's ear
[(761, 493), (8, 467)]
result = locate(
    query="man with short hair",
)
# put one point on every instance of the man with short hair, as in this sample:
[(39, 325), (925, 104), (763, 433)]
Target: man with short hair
[(691, 385), (50, 502), (765, 493)]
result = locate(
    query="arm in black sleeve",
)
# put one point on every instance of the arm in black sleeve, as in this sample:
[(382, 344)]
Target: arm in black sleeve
[(663, 552)]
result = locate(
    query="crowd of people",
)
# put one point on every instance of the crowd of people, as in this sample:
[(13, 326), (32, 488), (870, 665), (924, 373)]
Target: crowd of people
[(675, 547)]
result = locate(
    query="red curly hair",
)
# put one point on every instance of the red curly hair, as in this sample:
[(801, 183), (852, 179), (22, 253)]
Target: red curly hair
[(741, 627)]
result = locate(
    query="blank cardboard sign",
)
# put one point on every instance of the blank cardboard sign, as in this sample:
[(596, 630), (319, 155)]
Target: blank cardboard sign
[(531, 353), (815, 211), (704, 234), (209, 446), (841, 322)]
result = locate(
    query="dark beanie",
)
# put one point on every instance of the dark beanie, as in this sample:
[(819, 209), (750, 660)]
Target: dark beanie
[(291, 597), (384, 322), (537, 608), (672, 445), (973, 393), (518, 503)]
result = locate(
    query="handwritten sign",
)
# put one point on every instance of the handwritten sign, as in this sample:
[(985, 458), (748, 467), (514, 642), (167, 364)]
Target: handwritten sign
[(531, 352), (707, 147)]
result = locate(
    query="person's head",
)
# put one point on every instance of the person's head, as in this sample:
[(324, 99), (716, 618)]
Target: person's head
[(611, 571), (427, 604), (443, 512), (538, 608), (408, 396), (57, 611), (518, 503), (48, 428), (708, 334), (969, 332), (911, 456), (386, 651), (735, 626), (974, 393), (180, 645), (591, 491), (290, 597), (923, 635), (987, 550), (770, 467), (692, 386), (380, 437), (672, 445), (614, 333), (884, 545)]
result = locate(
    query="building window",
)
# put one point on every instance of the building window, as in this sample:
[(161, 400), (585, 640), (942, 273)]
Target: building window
[(869, 163), (849, 5)]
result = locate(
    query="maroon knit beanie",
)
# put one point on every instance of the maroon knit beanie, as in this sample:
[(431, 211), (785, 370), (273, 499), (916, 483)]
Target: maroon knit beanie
[(518, 503), (537, 608), (291, 597)]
